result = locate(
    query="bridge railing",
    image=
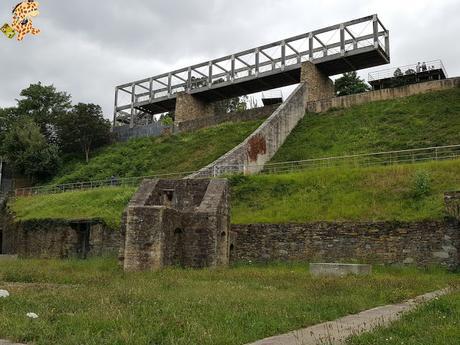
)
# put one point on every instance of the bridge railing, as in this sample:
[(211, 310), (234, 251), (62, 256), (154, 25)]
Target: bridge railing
[(252, 63), (438, 153)]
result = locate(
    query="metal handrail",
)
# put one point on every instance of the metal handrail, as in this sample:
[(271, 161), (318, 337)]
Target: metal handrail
[(356, 160), (389, 72)]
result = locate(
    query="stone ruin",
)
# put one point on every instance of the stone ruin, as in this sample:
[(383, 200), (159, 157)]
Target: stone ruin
[(176, 223)]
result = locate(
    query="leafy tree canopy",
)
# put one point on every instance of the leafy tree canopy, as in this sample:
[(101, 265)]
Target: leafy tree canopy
[(28, 151), (83, 129), (44, 104), (349, 84)]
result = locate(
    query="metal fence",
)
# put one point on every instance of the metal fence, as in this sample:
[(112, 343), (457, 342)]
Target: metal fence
[(406, 70), (438, 153)]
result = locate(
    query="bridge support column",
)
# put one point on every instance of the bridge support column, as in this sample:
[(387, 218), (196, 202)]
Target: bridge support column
[(189, 107), (319, 85)]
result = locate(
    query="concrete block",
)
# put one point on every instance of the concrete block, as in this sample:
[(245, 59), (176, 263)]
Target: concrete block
[(339, 270)]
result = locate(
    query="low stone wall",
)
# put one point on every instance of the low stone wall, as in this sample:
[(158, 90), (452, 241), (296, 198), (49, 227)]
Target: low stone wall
[(247, 115), (381, 95), (421, 243), (60, 239)]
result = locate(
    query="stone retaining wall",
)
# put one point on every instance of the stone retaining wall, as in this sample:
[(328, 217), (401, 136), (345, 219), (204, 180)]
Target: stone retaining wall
[(381, 95), (247, 115), (421, 243), (452, 200), (263, 143), (60, 239)]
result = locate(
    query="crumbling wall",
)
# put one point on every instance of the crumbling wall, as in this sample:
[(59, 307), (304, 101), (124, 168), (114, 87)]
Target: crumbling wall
[(176, 223), (59, 239)]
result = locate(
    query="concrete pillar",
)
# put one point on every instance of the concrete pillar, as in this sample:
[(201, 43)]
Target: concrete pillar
[(189, 107), (319, 86)]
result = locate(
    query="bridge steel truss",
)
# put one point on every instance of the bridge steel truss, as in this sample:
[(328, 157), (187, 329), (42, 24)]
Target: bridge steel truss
[(353, 45)]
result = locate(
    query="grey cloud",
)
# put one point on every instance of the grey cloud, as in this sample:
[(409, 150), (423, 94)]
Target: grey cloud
[(87, 47)]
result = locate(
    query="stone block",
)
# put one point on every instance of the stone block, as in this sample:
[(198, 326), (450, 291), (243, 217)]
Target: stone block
[(339, 270)]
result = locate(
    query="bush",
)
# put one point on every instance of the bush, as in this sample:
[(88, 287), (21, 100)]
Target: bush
[(421, 184)]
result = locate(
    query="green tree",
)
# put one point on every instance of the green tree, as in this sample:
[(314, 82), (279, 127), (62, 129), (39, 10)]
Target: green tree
[(350, 84), (83, 129), (44, 104), (28, 151)]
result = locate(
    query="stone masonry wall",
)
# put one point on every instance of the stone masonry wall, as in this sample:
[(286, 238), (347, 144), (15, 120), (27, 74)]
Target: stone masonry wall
[(319, 85), (420, 243), (265, 141), (176, 223), (247, 115), (189, 107), (60, 239), (326, 103)]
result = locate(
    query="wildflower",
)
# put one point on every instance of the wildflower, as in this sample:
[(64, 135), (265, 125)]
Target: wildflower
[(32, 315)]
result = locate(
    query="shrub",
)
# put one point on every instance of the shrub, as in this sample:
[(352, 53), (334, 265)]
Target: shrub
[(421, 184)]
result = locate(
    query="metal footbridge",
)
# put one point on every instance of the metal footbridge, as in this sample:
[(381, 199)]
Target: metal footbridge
[(353, 45)]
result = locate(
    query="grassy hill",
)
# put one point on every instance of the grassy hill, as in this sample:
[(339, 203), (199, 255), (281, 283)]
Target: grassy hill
[(431, 119), (377, 193), (165, 154)]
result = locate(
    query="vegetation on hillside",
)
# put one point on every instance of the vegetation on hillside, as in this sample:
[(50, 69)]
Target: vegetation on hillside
[(166, 154), (106, 204), (400, 192), (403, 192), (431, 119), (94, 302), (43, 129)]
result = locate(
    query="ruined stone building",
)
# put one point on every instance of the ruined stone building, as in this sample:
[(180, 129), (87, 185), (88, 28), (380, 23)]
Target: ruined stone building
[(176, 223)]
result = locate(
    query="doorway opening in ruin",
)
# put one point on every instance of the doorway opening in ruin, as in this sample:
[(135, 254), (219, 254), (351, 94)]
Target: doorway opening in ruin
[(178, 248), (232, 252), (83, 231)]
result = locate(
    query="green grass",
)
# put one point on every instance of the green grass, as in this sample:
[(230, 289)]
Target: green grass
[(106, 204), (330, 194), (165, 154), (225, 306), (338, 194), (437, 323), (431, 119)]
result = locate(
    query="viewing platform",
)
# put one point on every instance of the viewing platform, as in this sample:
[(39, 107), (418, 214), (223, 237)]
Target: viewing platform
[(353, 45), (405, 75)]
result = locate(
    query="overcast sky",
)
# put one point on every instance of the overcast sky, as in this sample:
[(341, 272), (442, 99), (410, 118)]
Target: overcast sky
[(87, 47)]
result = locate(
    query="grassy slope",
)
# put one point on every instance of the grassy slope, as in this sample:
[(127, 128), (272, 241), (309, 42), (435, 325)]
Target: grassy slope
[(431, 119), (226, 306), (166, 154), (437, 323), (378, 193), (106, 204)]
